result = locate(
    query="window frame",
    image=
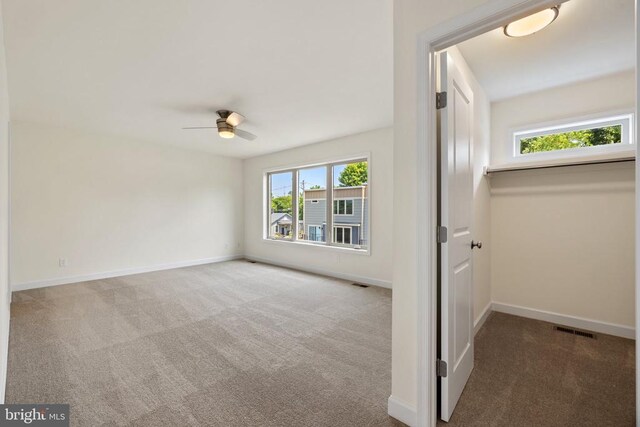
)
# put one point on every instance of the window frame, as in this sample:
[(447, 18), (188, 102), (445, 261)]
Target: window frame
[(328, 243), (623, 118)]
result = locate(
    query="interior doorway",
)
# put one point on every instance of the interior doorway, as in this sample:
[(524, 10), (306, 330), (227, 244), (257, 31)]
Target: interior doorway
[(609, 169)]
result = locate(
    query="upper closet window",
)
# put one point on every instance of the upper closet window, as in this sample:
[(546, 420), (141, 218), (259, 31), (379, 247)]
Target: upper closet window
[(575, 138)]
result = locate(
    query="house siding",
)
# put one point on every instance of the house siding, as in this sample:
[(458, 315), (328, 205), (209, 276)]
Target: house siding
[(315, 213)]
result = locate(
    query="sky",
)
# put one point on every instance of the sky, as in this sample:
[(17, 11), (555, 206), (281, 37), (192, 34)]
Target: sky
[(281, 182)]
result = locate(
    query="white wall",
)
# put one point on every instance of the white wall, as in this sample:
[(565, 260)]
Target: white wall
[(4, 215), (411, 17), (609, 93), (563, 239), (481, 227), (111, 205), (375, 268)]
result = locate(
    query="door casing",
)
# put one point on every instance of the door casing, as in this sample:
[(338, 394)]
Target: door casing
[(440, 37)]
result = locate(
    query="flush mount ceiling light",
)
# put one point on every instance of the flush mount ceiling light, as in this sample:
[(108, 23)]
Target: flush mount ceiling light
[(532, 23)]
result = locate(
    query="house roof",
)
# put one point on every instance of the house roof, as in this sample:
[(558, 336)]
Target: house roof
[(280, 218)]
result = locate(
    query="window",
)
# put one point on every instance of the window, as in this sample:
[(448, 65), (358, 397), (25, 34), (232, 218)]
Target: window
[(578, 137), (343, 207), (326, 205), (315, 233), (342, 235)]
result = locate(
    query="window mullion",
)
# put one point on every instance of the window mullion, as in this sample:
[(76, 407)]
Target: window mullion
[(329, 198), (268, 228), (294, 205)]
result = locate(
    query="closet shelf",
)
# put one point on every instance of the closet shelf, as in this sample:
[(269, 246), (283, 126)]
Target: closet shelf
[(488, 170)]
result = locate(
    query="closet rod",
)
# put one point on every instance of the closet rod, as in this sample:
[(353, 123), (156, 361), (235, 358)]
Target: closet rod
[(489, 170)]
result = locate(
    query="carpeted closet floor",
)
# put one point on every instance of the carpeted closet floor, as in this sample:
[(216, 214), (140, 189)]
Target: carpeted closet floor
[(528, 374)]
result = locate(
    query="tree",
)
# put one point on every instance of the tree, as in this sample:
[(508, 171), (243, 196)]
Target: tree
[(315, 187), (301, 205), (353, 175), (281, 204), (574, 139)]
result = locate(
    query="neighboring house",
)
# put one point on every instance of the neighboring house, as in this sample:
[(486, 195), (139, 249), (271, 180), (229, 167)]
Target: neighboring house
[(280, 223), (350, 215)]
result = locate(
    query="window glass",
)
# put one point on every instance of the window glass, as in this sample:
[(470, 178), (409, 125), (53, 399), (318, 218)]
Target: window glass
[(351, 206), (573, 139), (348, 209), (312, 204), (577, 137), (280, 212)]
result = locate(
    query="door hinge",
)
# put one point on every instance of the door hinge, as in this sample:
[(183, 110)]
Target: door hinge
[(441, 100), (441, 234), (441, 368)]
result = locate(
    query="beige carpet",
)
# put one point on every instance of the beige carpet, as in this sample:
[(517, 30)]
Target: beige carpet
[(528, 374), (229, 344), (241, 344)]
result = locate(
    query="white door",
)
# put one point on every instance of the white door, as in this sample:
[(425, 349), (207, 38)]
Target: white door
[(456, 203)]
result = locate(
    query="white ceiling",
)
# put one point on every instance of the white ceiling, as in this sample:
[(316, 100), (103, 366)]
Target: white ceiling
[(301, 72), (589, 39)]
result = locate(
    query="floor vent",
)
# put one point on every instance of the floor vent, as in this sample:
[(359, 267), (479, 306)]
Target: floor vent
[(360, 285), (575, 332)]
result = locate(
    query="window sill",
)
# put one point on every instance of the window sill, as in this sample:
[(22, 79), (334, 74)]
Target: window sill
[(361, 252), (623, 156)]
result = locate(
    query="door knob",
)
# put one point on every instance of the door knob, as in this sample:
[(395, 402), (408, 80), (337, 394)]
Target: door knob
[(476, 245)]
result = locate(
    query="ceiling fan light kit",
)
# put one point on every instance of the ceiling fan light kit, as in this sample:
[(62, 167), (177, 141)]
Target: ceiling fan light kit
[(226, 125), (225, 130)]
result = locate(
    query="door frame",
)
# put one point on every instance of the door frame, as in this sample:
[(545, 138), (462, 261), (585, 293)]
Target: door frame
[(463, 27)]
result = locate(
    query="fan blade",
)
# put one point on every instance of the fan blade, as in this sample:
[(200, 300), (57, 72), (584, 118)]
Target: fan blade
[(202, 127), (235, 119), (244, 134)]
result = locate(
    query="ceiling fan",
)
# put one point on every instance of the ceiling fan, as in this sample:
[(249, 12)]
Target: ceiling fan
[(227, 125)]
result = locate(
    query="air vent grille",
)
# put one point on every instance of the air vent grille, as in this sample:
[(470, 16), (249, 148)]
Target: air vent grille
[(574, 332)]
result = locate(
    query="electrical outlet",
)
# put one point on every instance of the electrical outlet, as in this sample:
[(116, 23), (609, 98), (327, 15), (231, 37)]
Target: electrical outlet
[(62, 262)]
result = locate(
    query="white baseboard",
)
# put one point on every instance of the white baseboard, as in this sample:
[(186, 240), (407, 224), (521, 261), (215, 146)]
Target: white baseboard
[(323, 272), (402, 411), (4, 356), (117, 273), (566, 320), (482, 318)]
